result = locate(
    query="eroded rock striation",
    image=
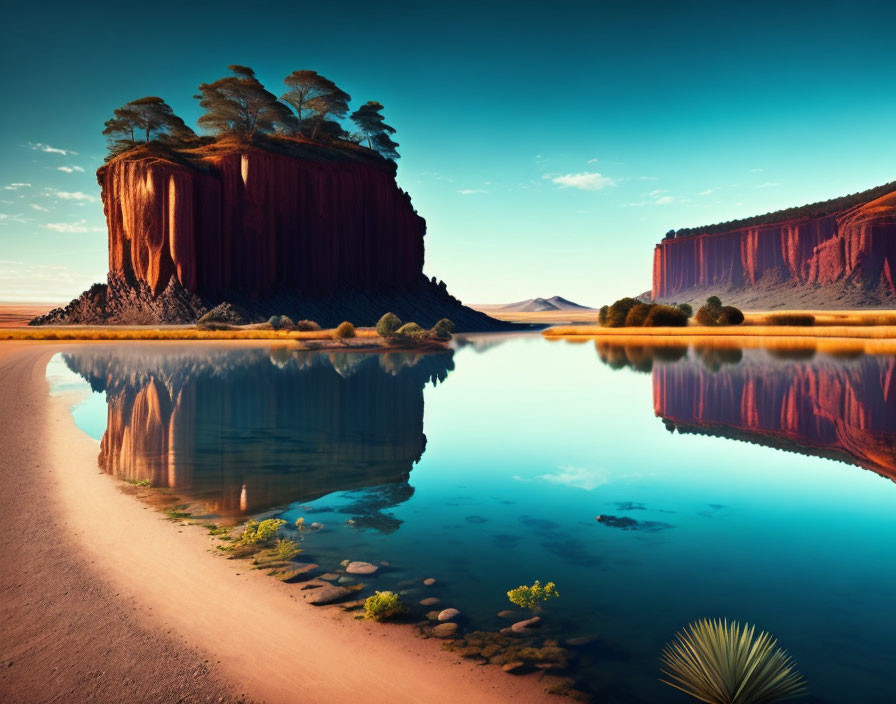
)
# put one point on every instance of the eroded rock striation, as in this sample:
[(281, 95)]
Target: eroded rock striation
[(300, 229), (846, 258)]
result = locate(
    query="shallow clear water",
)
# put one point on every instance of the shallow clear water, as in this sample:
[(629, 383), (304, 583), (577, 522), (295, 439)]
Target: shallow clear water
[(768, 502)]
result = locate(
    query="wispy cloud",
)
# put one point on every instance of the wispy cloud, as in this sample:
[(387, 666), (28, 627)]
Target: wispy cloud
[(70, 227), (70, 169), (39, 207), (593, 161), (16, 186), (471, 191), (40, 146), (648, 178), (585, 181), (73, 195), (577, 477), (664, 200), (769, 184), (756, 171)]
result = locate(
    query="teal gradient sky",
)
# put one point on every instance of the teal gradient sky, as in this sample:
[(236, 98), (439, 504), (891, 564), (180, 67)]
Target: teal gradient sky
[(548, 147)]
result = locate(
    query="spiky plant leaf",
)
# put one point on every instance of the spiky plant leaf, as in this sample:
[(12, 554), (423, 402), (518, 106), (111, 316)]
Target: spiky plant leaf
[(721, 663)]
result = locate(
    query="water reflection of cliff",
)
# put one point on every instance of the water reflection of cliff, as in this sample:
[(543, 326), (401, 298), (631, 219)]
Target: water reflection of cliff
[(246, 430), (844, 409)]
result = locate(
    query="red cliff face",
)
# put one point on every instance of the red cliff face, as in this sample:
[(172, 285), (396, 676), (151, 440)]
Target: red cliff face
[(255, 222), (857, 245), (844, 411)]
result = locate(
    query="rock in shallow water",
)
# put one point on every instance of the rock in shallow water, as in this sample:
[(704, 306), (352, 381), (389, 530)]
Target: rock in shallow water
[(429, 581), (449, 615), (508, 613), (327, 595), (444, 630), (429, 601), (523, 626), (360, 568)]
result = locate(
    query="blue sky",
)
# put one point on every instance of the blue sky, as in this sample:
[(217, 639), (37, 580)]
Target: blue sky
[(548, 147)]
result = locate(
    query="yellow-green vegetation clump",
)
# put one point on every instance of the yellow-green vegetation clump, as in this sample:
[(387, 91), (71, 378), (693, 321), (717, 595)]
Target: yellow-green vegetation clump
[(257, 532), (283, 550), (531, 597), (383, 606), (725, 663)]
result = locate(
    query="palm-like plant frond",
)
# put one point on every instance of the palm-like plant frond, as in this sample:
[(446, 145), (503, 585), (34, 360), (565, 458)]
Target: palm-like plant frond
[(721, 663)]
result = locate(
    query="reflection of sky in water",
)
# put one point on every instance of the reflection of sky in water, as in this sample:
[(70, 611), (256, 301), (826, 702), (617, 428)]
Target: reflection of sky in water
[(528, 442)]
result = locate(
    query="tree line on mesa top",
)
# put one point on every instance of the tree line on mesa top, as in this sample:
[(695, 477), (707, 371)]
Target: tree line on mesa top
[(240, 107)]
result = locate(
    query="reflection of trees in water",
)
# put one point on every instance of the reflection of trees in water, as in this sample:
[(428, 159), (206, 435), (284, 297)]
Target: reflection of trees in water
[(247, 430), (637, 357), (714, 358)]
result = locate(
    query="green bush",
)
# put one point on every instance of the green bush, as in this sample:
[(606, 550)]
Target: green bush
[(411, 331), (442, 330), (387, 325), (307, 326), (714, 301), (602, 315), (257, 532), (666, 316), (686, 309), (281, 322), (707, 315), (729, 315), (345, 330), (617, 312), (382, 606), (637, 314), (529, 597)]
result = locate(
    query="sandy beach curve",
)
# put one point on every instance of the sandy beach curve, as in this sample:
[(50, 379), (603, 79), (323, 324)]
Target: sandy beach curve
[(103, 600)]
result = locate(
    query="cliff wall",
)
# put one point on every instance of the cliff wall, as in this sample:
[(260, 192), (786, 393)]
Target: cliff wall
[(853, 248), (294, 228), (256, 222)]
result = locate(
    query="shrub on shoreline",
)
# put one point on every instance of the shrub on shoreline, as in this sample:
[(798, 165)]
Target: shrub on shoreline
[(382, 606), (530, 597), (630, 312), (344, 331), (715, 314), (388, 325)]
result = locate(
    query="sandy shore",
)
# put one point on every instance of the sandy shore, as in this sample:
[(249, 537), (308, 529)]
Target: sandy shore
[(103, 600)]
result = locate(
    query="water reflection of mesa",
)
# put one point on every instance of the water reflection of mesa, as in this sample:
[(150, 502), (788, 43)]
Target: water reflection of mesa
[(247, 430), (843, 409)]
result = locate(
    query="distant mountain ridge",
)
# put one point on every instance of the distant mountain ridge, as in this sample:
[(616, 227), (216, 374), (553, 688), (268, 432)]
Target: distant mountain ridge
[(538, 305)]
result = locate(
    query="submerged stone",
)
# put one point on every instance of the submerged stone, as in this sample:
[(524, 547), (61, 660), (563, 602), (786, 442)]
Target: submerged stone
[(448, 615), (327, 595), (360, 568), (429, 601), (444, 630), (429, 581), (522, 626)]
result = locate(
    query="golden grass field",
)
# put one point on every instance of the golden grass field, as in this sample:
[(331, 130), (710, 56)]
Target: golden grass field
[(834, 332)]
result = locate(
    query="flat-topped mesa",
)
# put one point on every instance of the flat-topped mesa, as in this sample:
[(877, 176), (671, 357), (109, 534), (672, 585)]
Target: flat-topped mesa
[(254, 222), (284, 227), (844, 256)]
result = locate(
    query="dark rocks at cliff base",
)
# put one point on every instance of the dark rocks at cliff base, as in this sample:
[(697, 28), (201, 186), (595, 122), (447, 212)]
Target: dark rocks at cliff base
[(117, 303), (123, 304)]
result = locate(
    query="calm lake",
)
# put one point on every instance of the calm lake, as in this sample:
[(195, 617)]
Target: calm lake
[(744, 484)]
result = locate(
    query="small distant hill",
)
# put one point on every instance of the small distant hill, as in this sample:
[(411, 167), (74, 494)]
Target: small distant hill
[(540, 305)]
